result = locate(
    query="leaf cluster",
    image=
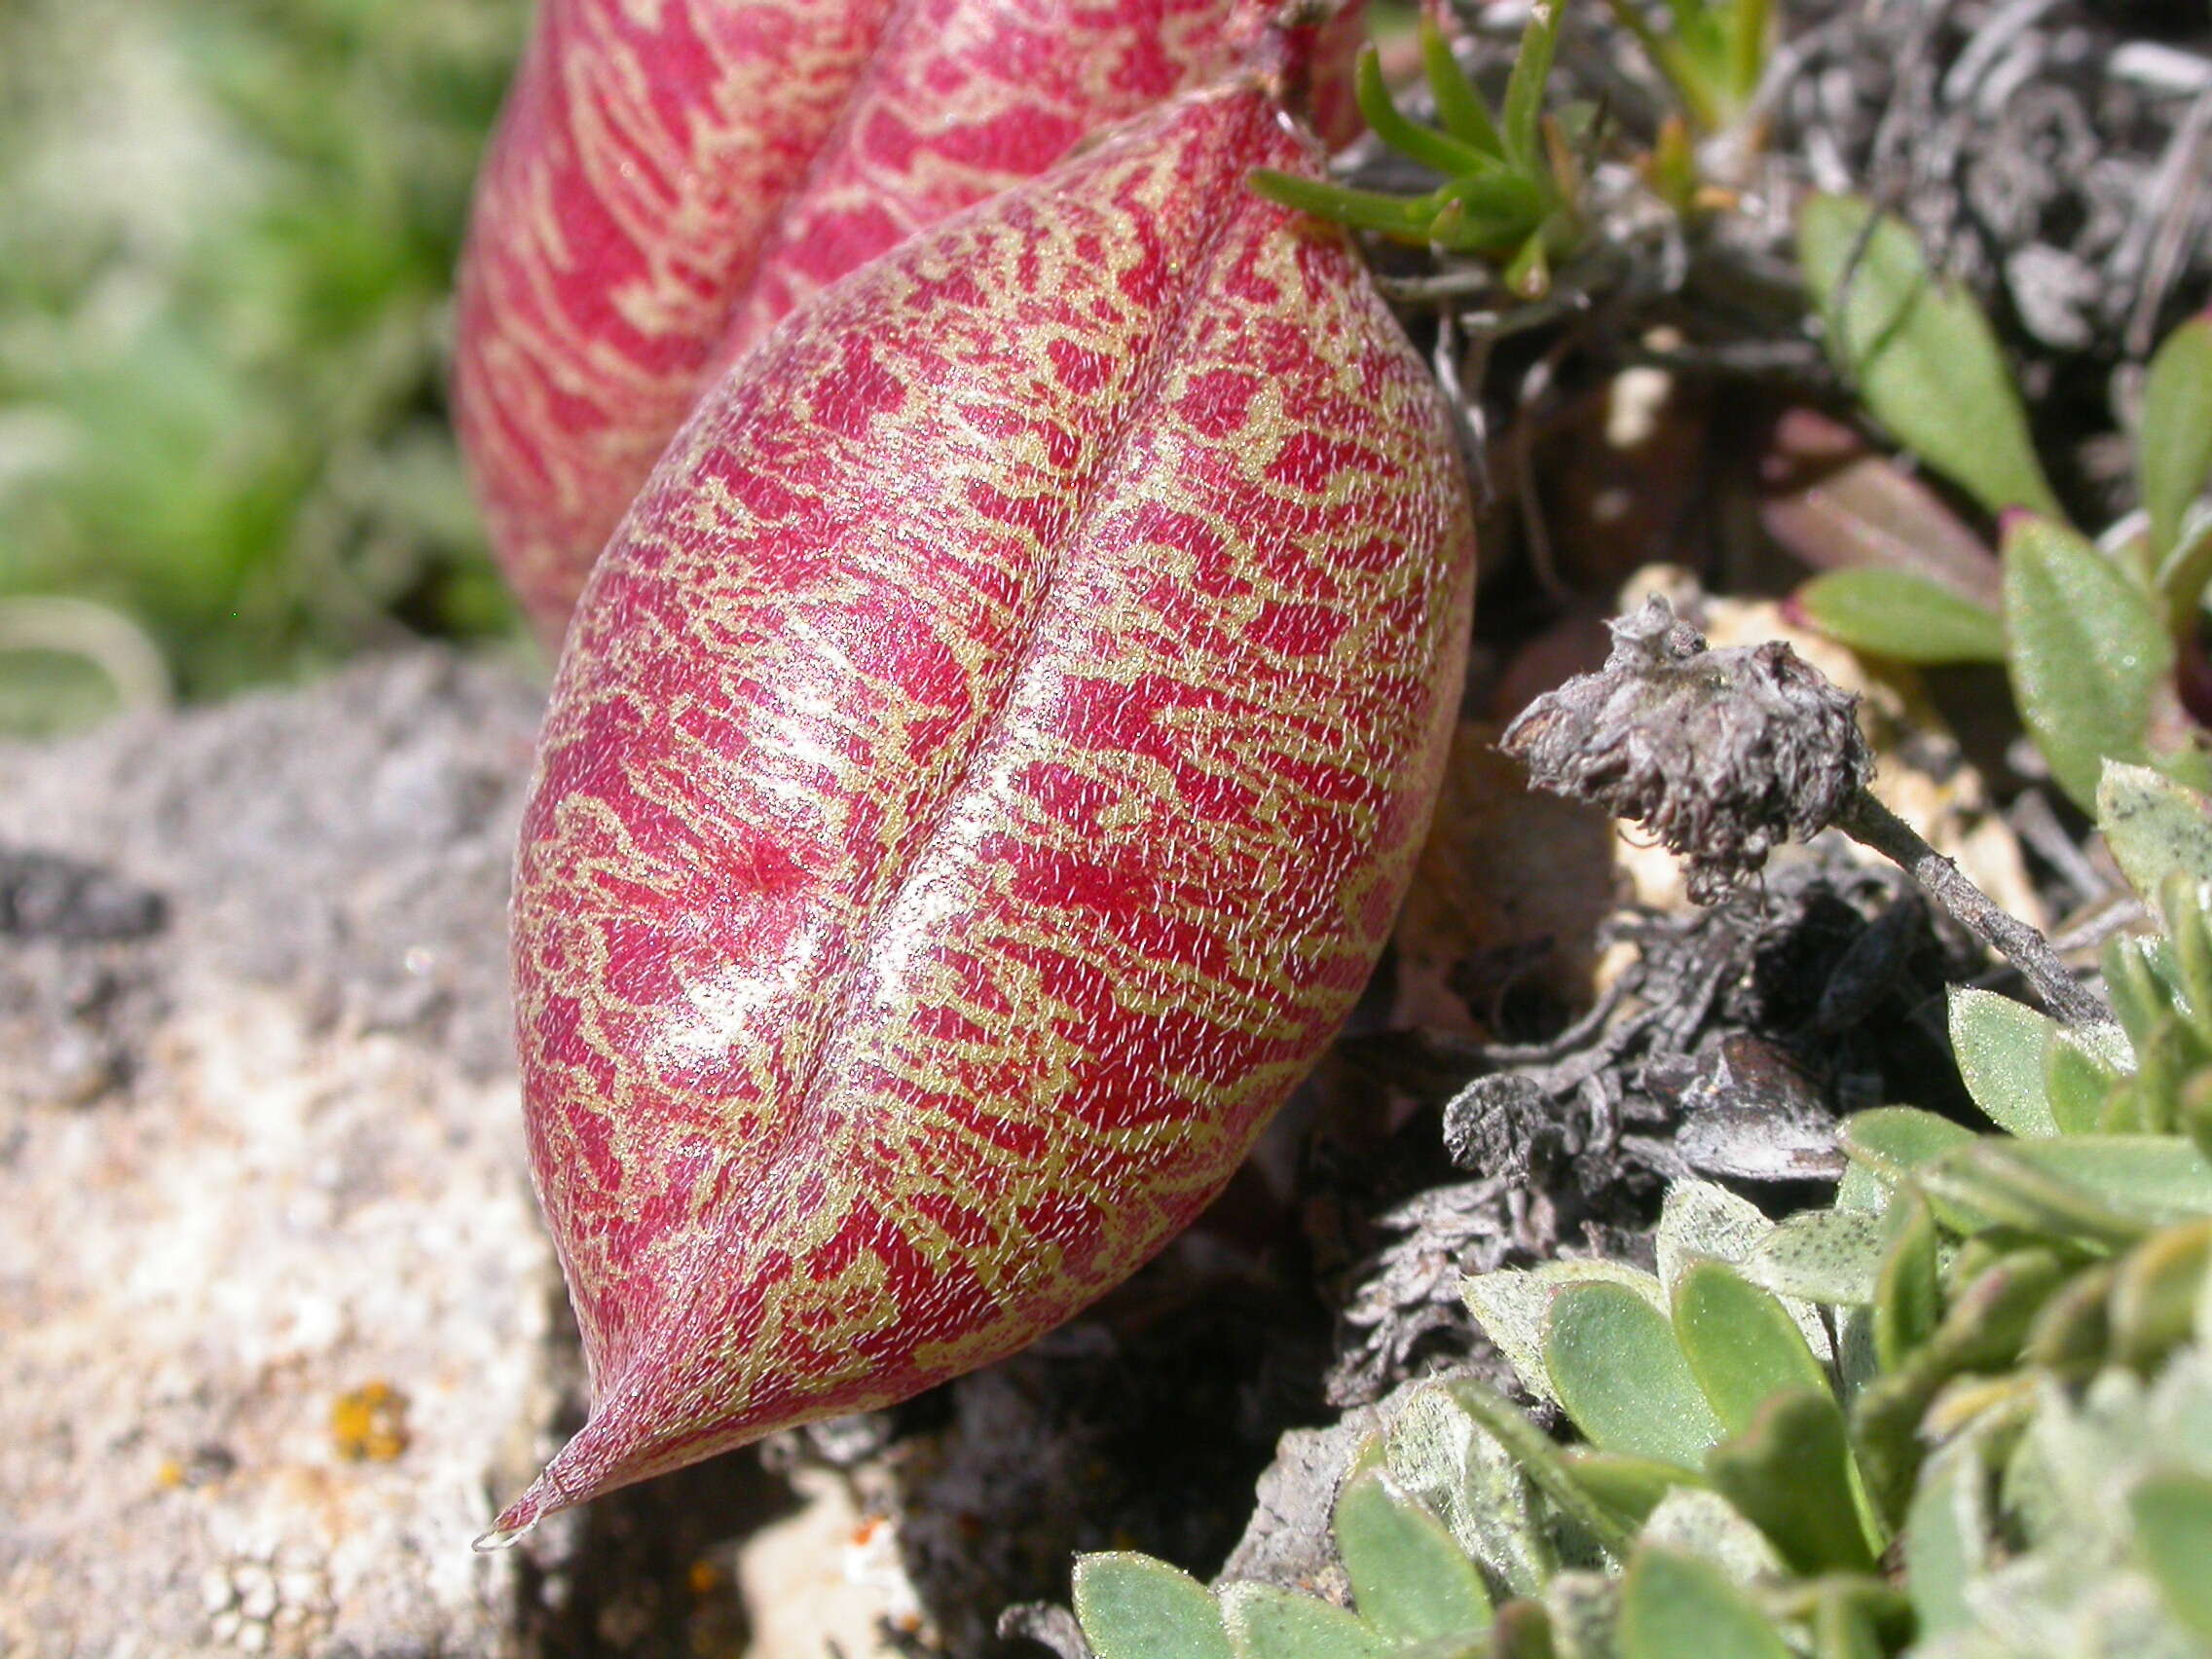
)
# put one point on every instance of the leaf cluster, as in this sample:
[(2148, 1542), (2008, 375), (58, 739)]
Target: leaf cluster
[(2089, 631), (1964, 1411)]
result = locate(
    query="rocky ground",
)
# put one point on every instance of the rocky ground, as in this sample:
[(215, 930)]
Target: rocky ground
[(280, 1326)]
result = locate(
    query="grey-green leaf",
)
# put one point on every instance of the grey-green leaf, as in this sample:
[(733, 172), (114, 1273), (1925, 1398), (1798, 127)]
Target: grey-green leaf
[(2000, 1048), (1790, 1474), (1267, 1623), (1832, 1255), (1741, 1345), (1674, 1607), (2089, 654), (2174, 445), (1893, 1141), (1615, 1366), (1895, 614), (1947, 1538), (1921, 351), (2155, 826), (1409, 1578), (1132, 1606), (2173, 1529)]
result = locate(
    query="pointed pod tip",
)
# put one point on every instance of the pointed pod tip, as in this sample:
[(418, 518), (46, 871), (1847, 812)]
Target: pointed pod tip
[(500, 1539)]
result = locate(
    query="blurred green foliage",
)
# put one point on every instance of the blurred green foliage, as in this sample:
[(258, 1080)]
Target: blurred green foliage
[(227, 230)]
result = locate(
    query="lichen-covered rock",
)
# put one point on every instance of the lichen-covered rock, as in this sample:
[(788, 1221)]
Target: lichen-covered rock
[(274, 1312)]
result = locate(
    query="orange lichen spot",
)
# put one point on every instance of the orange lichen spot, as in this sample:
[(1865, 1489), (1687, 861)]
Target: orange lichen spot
[(703, 1578), (865, 1533), (170, 1475), (368, 1425)]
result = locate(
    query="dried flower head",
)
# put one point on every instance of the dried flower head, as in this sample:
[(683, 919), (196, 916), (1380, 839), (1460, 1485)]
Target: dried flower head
[(1723, 755)]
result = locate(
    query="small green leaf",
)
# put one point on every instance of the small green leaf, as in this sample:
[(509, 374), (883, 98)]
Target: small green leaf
[(1406, 218), (1630, 1487), (1511, 1305), (1990, 1185), (1523, 1631), (2155, 1293), (1132, 1606), (2173, 1535), (1832, 1255), (1674, 1607), (1789, 1474), (1458, 106), (1921, 351), (1409, 1579), (1894, 613), (2140, 995), (1442, 1455), (2076, 1081), (1741, 1345), (1542, 1460), (1909, 1303), (2089, 654), (2155, 826), (2000, 1048), (1844, 1626), (1525, 87), (1946, 1539), (1614, 1360), (2152, 1180), (1438, 150), (1893, 1141), (1267, 1623), (2184, 572), (2174, 447)]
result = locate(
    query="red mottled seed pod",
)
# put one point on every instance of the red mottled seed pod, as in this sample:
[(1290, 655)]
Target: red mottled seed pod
[(671, 176), (981, 777)]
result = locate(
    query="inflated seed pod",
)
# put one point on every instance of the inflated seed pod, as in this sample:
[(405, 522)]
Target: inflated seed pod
[(981, 777), (667, 169)]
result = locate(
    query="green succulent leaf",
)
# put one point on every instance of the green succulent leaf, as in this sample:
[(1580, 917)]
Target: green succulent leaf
[(1409, 1578), (1921, 351), (1523, 1631), (1829, 1256), (1267, 1623), (2144, 1181), (2000, 1048), (1629, 1485), (1619, 1374), (2089, 653), (1512, 1303), (1524, 108), (1908, 1304), (2173, 1530), (2155, 1289), (2155, 827), (1895, 614), (1442, 1452), (1544, 1462), (1948, 1538), (2078, 1078), (1893, 1141), (1442, 152), (1790, 1475), (1845, 1627), (1676, 1606), (2174, 446), (1741, 1343), (1458, 106), (1132, 1606)]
